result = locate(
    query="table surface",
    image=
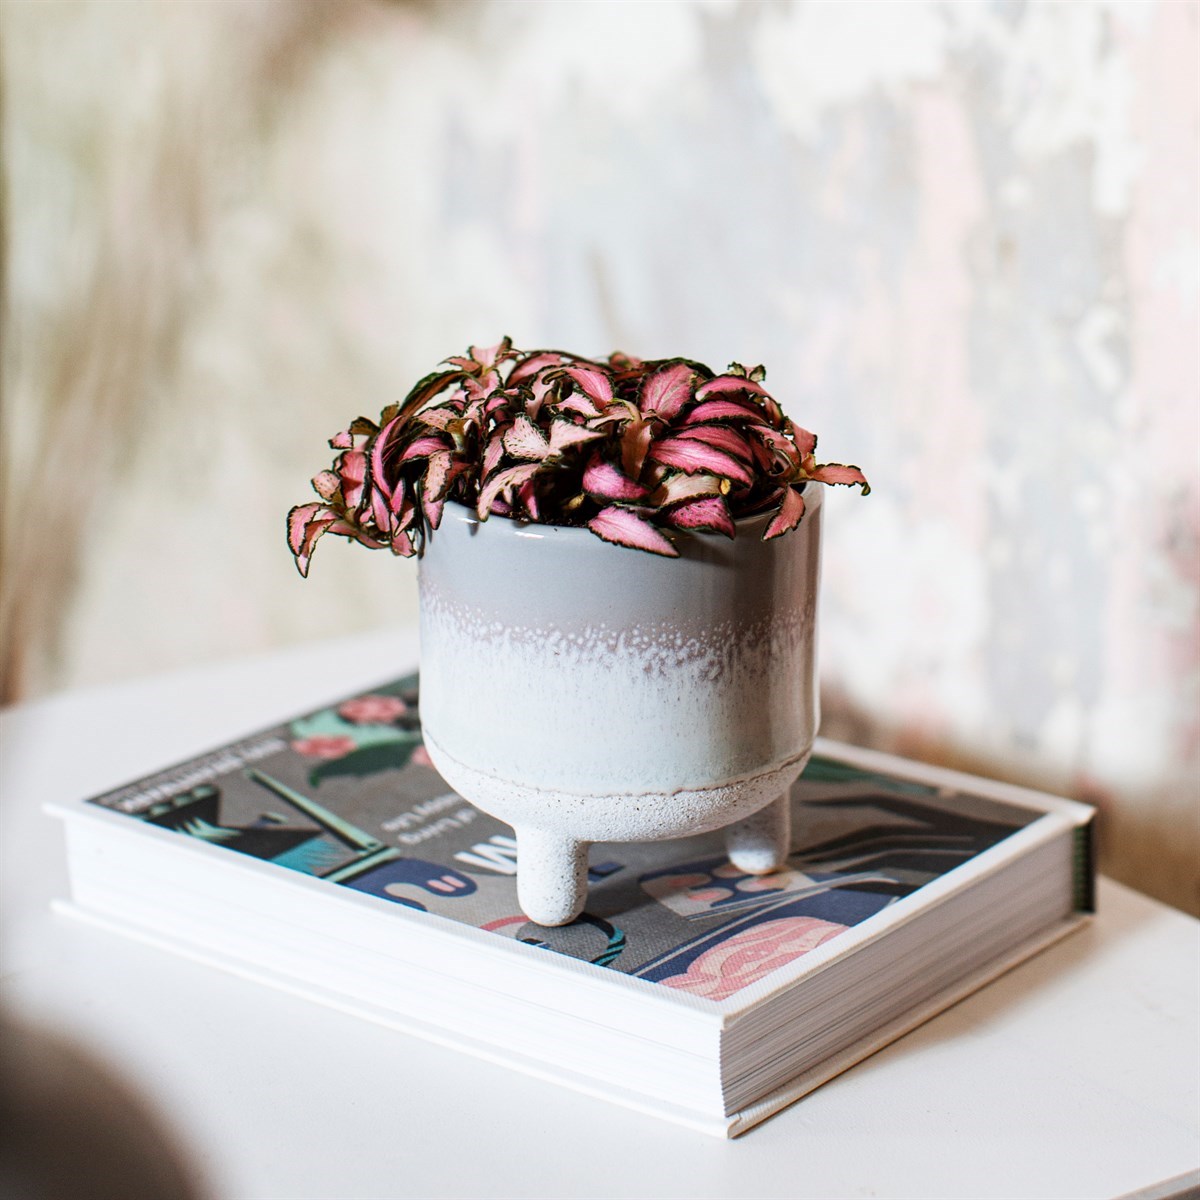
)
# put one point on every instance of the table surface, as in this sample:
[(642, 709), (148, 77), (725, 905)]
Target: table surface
[(1077, 1074)]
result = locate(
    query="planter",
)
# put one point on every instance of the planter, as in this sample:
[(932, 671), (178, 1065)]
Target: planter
[(586, 692)]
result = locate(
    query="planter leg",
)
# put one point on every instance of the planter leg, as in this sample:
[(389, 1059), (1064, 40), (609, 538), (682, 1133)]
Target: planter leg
[(761, 843), (551, 876)]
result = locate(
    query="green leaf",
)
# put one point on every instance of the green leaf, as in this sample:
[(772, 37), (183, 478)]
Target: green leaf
[(327, 723), (393, 755), (827, 770), (400, 687)]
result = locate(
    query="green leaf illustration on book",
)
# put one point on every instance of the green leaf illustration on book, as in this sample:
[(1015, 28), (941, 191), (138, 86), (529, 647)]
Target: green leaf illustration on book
[(380, 734), (327, 724), (826, 770), (393, 755)]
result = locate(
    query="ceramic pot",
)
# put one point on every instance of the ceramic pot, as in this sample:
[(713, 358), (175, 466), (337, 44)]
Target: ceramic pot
[(586, 692)]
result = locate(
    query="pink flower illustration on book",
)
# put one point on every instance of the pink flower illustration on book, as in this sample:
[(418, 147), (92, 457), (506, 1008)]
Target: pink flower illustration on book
[(320, 746), (372, 710), (751, 955)]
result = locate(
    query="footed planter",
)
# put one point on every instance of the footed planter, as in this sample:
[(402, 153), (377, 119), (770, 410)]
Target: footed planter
[(594, 668), (587, 692)]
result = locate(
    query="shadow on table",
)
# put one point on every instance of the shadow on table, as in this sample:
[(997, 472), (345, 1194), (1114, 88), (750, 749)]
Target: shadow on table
[(70, 1129)]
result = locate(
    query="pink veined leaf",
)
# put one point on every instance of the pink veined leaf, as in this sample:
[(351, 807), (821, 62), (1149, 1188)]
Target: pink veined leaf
[(483, 387), (564, 435), (345, 529), (402, 545), (404, 506), (379, 455), (666, 390), (533, 364), (725, 410), (432, 510), (619, 361), (635, 444), (426, 389), (722, 437), (725, 384), (604, 480), (781, 444), (510, 477), (352, 467), (772, 500), (398, 498), (592, 382), (838, 473), (692, 456), (541, 389), (326, 484), (578, 402), (441, 416), (625, 528), (342, 441), (806, 442), (615, 415), (437, 477), (764, 457), (381, 512), (677, 488), (423, 447), (710, 513), (308, 523), (527, 498), (492, 454), (489, 356), (483, 357), (298, 521), (475, 413), (532, 404), (525, 440), (788, 516), (498, 402)]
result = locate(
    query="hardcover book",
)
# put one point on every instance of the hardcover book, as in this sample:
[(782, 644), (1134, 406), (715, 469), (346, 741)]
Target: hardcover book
[(327, 855)]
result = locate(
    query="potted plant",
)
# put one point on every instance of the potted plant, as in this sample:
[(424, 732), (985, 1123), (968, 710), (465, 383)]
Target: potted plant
[(618, 583)]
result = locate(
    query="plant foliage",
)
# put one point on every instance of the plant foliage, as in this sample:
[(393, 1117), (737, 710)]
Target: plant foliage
[(633, 450)]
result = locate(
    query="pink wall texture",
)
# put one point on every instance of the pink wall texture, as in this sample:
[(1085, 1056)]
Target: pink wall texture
[(963, 237)]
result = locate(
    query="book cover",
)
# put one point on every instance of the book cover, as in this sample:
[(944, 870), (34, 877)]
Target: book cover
[(347, 795)]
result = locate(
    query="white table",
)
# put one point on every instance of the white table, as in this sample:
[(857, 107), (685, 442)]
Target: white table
[(1078, 1074)]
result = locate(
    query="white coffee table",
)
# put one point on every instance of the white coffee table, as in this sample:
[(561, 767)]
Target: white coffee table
[(1078, 1074)]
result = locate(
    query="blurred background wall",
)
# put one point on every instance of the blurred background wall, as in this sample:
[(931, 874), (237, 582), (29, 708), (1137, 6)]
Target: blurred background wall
[(962, 236)]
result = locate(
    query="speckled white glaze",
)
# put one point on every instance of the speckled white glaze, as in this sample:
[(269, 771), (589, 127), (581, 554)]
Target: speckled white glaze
[(626, 816), (590, 692)]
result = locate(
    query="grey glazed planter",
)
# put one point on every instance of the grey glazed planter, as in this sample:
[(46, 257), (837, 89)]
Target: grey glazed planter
[(585, 692)]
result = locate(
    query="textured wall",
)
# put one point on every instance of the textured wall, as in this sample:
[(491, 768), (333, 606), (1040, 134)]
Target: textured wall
[(963, 237)]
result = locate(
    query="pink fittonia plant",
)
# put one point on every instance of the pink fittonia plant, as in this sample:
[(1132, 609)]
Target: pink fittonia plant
[(628, 448)]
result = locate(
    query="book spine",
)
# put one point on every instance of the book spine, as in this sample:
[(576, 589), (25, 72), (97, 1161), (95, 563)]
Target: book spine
[(1084, 866)]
